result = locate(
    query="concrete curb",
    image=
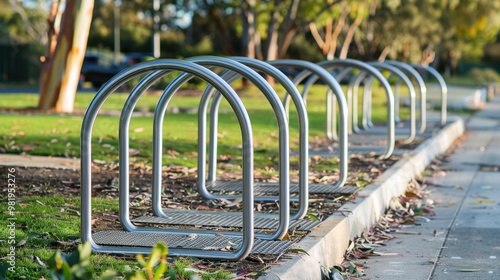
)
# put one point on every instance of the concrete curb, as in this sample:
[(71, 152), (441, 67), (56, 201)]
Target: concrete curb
[(325, 245)]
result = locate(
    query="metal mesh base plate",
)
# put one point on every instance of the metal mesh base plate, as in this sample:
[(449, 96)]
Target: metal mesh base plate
[(199, 242), (218, 219), (273, 188)]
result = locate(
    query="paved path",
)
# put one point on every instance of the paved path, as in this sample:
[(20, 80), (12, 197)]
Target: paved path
[(39, 161), (467, 222)]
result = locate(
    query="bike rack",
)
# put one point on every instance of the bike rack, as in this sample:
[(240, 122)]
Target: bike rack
[(352, 99), (234, 245), (193, 243), (421, 85), (350, 63), (313, 70), (442, 84), (264, 221), (233, 66), (352, 93), (401, 76), (303, 189)]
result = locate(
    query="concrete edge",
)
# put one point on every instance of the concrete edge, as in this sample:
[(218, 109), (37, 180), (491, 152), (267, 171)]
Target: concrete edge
[(325, 245)]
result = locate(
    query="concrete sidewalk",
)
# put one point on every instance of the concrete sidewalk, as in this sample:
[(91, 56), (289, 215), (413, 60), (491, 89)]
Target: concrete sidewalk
[(325, 245), (39, 161), (467, 222)]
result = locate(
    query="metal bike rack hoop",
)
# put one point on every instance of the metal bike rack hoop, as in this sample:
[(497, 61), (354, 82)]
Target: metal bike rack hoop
[(444, 89), (328, 64), (411, 90), (86, 157), (264, 87), (309, 68), (303, 130), (421, 85)]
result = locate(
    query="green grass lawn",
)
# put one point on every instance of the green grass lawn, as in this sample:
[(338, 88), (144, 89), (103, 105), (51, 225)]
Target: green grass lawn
[(58, 135), (47, 222), (44, 223)]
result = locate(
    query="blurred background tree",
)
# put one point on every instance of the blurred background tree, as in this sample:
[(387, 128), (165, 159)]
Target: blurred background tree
[(67, 34), (447, 33)]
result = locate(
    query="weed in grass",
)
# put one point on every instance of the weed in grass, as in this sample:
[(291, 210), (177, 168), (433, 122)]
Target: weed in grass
[(44, 224), (155, 266), (324, 164), (75, 265), (47, 224)]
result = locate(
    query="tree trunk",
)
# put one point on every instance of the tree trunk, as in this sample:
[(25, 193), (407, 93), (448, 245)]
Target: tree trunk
[(53, 29), (272, 33), (290, 29), (385, 53), (258, 46), (406, 50), (61, 71), (428, 56), (335, 34), (317, 36), (287, 41), (249, 27), (328, 36), (221, 29), (359, 45), (329, 45), (350, 34), (248, 16)]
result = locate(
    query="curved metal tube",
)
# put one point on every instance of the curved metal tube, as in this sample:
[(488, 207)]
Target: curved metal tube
[(352, 101), (349, 64), (333, 127), (411, 89), (423, 90), (311, 68), (369, 97), (125, 118), (444, 89), (284, 148), (331, 117), (397, 96), (366, 104), (331, 113), (86, 157), (390, 97), (281, 78), (161, 107)]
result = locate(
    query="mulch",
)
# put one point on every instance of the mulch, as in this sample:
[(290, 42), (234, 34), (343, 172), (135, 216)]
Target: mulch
[(180, 194)]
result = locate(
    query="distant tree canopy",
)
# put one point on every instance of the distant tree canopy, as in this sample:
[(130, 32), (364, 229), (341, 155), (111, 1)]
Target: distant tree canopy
[(407, 30), (364, 29)]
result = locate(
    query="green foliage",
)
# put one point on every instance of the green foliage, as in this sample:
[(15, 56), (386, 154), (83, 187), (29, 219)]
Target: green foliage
[(75, 266), (47, 221), (155, 266), (22, 24)]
